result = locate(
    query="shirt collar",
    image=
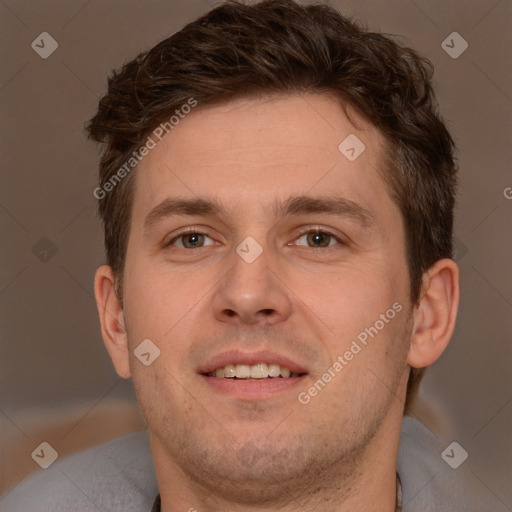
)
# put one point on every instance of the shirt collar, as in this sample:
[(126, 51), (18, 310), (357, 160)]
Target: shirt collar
[(156, 505)]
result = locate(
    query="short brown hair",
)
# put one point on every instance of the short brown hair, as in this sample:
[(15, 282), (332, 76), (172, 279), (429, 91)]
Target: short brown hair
[(279, 46)]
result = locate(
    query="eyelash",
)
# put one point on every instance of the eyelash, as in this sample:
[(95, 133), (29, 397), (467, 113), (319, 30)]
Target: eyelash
[(305, 231)]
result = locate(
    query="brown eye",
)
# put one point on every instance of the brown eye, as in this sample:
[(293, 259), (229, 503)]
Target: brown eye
[(318, 239), (191, 240)]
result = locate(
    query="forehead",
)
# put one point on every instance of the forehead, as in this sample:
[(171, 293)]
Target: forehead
[(250, 152)]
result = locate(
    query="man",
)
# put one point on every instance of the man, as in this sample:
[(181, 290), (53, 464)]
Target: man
[(277, 192)]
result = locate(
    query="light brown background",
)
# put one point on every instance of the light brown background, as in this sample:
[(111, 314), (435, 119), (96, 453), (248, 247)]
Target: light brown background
[(56, 381)]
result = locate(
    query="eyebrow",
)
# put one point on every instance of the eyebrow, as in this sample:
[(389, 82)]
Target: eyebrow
[(293, 205)]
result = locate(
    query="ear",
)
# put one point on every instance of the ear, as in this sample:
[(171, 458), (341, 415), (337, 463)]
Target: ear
[(113, 327), (435, 314)]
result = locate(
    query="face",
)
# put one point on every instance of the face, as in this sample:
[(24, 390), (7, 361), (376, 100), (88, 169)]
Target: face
[(254, 239)]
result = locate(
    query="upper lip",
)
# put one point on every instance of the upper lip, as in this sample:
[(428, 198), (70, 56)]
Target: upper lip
[(249, 358)]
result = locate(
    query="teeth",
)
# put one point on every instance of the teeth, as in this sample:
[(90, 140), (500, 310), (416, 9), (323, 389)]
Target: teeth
[(259, 371), (242, 371), (274, 370), (285, 373), (229, 371), (256, 371)]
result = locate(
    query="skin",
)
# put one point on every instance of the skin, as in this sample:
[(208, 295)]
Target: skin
[(217, 452)]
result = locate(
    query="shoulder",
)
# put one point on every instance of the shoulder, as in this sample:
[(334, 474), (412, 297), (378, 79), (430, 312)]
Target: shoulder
[(429, 484), (115, 476), (119, 476)]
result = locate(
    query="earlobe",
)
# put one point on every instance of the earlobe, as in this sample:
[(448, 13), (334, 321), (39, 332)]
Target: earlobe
[(436, 313), (112, 320)]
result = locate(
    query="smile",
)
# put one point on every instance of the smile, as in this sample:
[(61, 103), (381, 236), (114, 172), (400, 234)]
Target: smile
[(255, 371)]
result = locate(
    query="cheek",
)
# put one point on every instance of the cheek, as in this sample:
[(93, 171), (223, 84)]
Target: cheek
[(347, 306), (156, 391), (157, 300), (348, 299)]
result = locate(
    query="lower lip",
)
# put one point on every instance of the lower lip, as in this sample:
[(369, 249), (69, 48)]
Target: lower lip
[(253, 389)]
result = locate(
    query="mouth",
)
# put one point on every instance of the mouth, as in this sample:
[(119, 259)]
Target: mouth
[(256, 371), (251, 376)]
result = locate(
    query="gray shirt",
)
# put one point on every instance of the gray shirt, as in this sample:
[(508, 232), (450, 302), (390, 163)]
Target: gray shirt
[(118, 476)]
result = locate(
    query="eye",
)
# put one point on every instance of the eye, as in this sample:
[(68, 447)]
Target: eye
[(317, 239), (191, 240)]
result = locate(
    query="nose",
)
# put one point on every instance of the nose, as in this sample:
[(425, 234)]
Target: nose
[(252, 293)]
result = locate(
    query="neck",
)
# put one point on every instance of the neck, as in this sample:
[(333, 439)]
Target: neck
[(368, 483)]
